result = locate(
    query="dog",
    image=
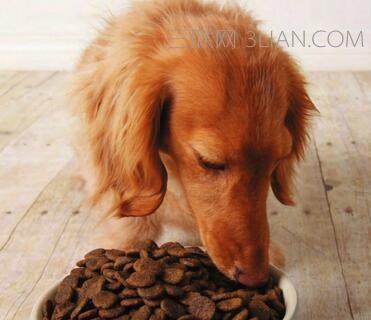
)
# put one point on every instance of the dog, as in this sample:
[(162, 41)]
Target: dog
[(185, 139)]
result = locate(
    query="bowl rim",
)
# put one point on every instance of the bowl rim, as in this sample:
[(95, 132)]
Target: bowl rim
[(284, 282)]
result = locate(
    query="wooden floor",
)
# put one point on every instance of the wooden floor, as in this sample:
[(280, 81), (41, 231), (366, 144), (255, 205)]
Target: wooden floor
[(44, 223)]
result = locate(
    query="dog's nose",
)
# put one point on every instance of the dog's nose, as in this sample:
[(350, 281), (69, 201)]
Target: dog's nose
[(252, 280)]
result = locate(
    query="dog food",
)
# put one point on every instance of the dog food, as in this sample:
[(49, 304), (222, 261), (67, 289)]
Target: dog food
[(158, 283)]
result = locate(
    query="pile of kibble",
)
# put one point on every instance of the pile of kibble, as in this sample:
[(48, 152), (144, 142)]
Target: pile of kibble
[(151, 282)]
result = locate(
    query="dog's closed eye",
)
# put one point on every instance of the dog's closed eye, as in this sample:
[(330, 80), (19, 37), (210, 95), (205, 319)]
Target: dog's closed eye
[(210, 165)]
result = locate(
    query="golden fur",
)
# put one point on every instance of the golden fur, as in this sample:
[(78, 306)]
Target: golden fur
[(186, 141)]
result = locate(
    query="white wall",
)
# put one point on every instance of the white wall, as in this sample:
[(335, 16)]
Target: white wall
[(49, 34)]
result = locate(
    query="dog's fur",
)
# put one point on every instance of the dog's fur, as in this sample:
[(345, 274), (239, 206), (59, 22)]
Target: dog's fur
[(186, 141)]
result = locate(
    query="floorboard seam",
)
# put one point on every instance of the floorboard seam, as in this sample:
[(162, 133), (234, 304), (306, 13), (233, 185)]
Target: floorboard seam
[(333, 228), (31, 206)]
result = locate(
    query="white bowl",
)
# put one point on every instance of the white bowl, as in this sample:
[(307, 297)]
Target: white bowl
[(288, 289)]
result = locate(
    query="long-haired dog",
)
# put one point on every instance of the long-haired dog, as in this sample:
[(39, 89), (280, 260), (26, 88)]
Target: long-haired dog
[(185, 132)]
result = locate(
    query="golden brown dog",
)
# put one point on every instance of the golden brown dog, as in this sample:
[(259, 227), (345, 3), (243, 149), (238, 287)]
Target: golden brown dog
[(186, 133)]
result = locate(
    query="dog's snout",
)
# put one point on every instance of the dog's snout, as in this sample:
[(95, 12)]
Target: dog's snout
[(252, 279)]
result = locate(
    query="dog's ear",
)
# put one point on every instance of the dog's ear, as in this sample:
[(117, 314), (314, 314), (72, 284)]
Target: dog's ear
[(300, 110), (122, 114)]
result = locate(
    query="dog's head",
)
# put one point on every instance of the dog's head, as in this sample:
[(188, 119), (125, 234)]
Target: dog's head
[(233, 123)]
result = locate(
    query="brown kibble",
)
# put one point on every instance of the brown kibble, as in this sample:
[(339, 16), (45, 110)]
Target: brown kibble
[(120, 262), (62, 311), (129, 267), (243, 294), (202, 308), (109, 273), (80, 306), (172, 308), (275, 315), (259, 309), (90, 274), (274, 302), (229, 304), (179, 266), (108, 265), (190, 262), (159, 314), (152, 303), (242, 315), (203, 284), (148, 265), (95, 263), (167, 260), (189, 297), (113, 286), (174, 291), (123, 317), (73, 279), (228, 316), (81, 263), (104, 299), (143, 254), (113, 254), (95, 253), (191, 287), (188, 317), (159, 253), (90, 314), (195, 251), (224, 296), (147, 245), (141, 279), (170, 244), (64, 294), (78, 273), (143, 313), (129, 293), (121, 277), (92, 286), (134, 253), (173, 275), (208, 293), (131, 302), (198, 274), (47, 309), (177, 251), (153, 292), (112, 313)]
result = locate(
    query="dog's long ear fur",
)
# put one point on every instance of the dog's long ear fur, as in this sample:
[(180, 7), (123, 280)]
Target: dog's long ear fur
[(300, 110), (121, 110)]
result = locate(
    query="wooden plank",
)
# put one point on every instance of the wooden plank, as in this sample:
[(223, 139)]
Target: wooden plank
[(364, 82), (62, 226), (16, 86), (12, 82), (344, 149), (28, 164), (44, 142), (66, 245), (27, 101), (38, 235), (306, 236), (5, 76)]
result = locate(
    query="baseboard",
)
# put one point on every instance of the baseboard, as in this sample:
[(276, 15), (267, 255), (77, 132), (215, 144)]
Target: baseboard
[(357, 60), (40, 53)]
